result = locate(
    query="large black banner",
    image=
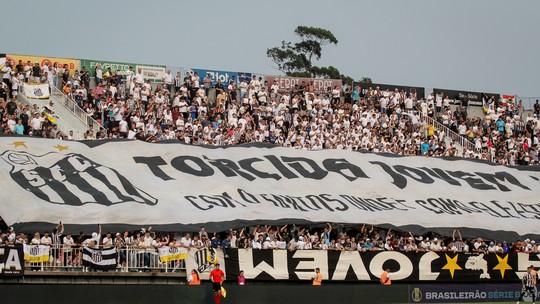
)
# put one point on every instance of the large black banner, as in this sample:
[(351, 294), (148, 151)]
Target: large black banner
[(11, 260), (466, 98), (420, 91), (368, 266)]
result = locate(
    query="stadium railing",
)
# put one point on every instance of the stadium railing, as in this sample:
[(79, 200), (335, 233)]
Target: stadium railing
[(62, 124), (74, 108), (130, 259), (448, 133)]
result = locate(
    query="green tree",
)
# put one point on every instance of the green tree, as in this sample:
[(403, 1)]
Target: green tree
[(366, 80), (298, 59)]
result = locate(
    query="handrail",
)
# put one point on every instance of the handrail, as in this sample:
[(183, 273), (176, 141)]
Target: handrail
[(75, 109), (458, 139), (62, 124), (61, 257)]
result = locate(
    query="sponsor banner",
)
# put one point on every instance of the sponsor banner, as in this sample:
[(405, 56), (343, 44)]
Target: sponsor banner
[(100, 259), (224, 76), (287, 83), (420, 91), (36, 253), (167, 254), (470, 293), (204, 260), (368, 266), (11, 260), (176, 186), (465, 98), (73, 64), (36, 90), (153, 73)]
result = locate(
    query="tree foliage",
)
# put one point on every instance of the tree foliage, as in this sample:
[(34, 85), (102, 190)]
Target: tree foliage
[(297, 59), (366, 80)]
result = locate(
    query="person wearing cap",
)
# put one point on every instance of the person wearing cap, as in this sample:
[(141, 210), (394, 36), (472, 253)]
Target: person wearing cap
[(504, 247), (368, 245), (492, 248), (435, 245), (267, 244), (530, 246), (96, 236), (424, 244), (120, 243), (67, 89), (526, 243), (411, 245)]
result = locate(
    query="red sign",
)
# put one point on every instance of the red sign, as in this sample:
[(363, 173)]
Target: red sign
[(287, 83)]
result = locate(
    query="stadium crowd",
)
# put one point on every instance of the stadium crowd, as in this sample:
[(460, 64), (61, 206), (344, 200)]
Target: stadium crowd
[(351, 118), (288, 237)]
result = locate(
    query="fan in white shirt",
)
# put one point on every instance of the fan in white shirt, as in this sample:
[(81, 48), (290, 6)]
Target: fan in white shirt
[(139, 77)]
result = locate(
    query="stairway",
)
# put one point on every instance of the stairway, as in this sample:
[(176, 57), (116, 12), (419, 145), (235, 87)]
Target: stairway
[(63, 124), (461, 143), (72, 111), (69, 116)]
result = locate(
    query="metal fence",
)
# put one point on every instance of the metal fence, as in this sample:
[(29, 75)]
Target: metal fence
[(130, 259), (448, 133), (63, 125), (75, 109)]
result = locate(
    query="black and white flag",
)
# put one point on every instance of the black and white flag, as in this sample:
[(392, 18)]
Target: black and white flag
[(100, 259)]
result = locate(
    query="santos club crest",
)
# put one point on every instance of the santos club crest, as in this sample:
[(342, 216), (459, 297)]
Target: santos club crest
[(72, 179)]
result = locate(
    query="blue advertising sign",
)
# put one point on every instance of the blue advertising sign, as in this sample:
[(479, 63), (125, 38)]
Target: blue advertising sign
[(461, 293), (224, 76)]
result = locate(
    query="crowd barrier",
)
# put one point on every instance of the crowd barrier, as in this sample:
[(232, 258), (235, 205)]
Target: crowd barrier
[(67, 258)]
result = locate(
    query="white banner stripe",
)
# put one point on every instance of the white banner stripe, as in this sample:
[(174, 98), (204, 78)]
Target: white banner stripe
[(175, 183)]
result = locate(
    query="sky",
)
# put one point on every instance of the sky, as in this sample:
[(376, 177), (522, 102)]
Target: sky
[(476, 45)]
